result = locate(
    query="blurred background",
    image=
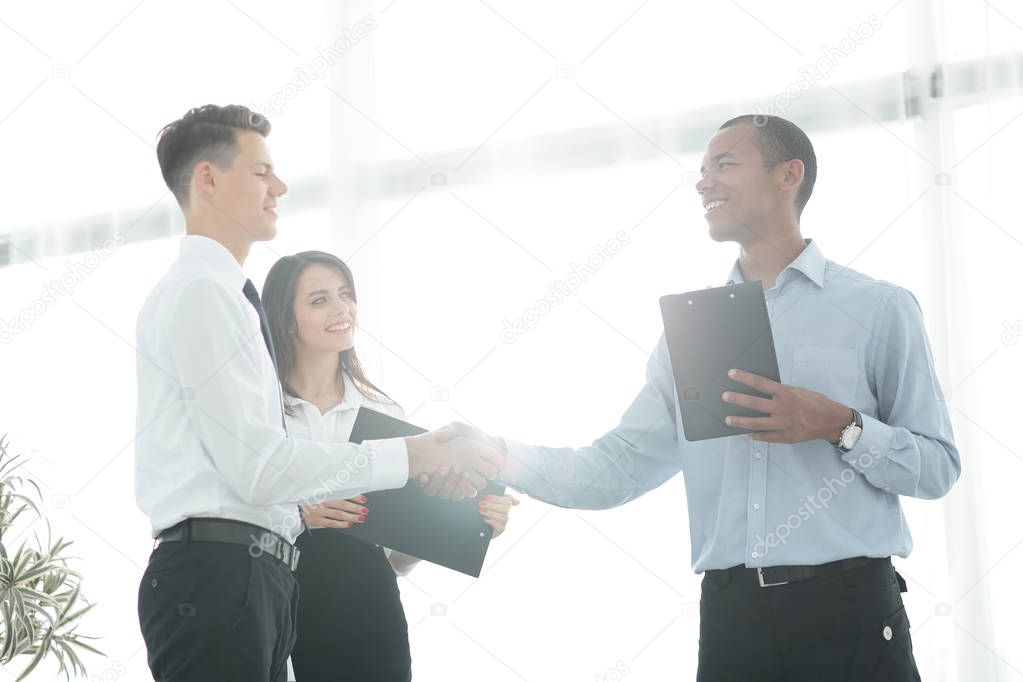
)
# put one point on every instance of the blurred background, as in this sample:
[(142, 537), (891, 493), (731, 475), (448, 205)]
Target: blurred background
[(465, 156)]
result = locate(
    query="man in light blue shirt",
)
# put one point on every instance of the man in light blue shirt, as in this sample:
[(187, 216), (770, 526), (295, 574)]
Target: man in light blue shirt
[(794, 525)]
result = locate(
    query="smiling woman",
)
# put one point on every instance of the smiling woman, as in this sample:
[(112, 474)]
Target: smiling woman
[(314, 290), (313, 303)]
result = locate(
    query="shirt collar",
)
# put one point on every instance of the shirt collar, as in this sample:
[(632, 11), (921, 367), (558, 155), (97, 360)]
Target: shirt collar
[(216, 256), (810, 262)]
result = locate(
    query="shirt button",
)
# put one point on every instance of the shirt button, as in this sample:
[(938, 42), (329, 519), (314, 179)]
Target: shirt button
[(757, 455), (755, 555), (887, 632), (756, 506)]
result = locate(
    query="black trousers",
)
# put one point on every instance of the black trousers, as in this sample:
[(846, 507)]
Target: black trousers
[(210, 612), (842, 628), (351, 623)]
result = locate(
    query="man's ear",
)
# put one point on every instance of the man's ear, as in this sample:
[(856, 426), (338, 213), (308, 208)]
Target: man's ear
[(792, 175), (203, 178)]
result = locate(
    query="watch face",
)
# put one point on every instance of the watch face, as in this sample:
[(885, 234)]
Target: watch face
[(850, 437)]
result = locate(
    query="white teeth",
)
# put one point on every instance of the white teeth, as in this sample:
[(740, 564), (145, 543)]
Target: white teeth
[(339, 327), (711, 205)]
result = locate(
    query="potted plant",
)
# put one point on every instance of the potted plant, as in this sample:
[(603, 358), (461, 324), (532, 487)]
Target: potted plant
[(40, 601)]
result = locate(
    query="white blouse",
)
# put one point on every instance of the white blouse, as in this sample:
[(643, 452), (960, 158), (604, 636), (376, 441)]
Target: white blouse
[(335, 425)]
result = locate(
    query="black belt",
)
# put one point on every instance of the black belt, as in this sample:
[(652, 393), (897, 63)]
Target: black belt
[(258, 539), (769, 576)]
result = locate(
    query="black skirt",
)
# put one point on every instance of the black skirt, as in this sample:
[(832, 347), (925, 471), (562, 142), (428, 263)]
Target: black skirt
[(351, 624)]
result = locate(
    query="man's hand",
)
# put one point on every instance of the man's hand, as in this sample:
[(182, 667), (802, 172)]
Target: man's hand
[(467, 462), (796, 414), (444, 481)]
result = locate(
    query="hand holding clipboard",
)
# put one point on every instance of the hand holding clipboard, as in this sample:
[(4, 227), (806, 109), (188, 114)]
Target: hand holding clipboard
[(444, 532), (708, 332)]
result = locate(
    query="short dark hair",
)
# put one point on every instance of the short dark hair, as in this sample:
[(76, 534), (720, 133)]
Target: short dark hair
[(206, 133), (779, 141)]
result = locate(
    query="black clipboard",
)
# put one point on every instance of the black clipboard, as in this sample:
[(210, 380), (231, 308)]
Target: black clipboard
[(444, 532), (709, 332)]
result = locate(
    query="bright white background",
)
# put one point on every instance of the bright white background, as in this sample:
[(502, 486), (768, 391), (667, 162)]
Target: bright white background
[(426, 133)]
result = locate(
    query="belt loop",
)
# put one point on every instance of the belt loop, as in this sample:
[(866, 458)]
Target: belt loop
[(188, 531)]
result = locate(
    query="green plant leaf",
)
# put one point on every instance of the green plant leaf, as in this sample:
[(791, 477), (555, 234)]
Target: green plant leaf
[(40, 593)]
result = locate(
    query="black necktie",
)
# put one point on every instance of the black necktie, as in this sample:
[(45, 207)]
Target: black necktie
[(250, 293)]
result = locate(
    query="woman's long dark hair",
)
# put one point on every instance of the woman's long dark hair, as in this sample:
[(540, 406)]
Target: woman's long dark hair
[(279, 302)]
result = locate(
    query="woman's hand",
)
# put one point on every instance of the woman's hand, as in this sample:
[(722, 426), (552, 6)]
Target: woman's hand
[(336, 513), (495, 511)]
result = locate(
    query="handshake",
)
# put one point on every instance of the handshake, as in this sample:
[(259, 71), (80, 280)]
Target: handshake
[(456, 461)]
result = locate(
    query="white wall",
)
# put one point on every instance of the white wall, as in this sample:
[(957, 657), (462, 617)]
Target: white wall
[(565, 595)]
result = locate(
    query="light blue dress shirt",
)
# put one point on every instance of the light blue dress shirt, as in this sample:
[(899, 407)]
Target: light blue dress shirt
[(857, 340)]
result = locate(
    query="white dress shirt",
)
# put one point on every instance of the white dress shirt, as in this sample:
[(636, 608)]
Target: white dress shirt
[(209, 437), (336, 425)]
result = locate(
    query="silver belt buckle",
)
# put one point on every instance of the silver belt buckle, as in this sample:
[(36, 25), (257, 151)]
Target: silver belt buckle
[(760, 577)]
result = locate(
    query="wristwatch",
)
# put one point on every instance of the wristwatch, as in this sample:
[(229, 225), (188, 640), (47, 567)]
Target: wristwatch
[(850, 434)]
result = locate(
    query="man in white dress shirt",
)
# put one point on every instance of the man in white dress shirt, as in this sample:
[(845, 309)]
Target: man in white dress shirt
[(216, 472)]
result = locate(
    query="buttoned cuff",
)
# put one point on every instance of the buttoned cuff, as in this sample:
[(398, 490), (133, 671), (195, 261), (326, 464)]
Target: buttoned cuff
[(390, 464), (870, 453)]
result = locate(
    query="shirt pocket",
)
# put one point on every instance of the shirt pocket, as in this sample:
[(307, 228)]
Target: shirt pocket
[(834, 371)]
